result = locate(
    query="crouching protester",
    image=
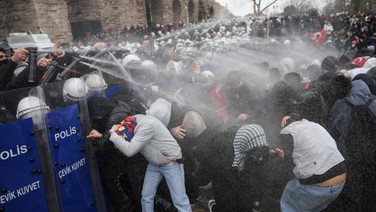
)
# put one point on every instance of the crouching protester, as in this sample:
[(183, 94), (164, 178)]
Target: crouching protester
[(234, 160), (319, 168), (147, 135)]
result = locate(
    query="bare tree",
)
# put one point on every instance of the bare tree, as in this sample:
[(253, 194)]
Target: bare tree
[(299, 6), (334, 6), (257, 9), (352, 6), (329, 8)]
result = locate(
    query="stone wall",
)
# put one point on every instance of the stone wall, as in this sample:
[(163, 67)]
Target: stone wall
[(54, 20), (62, 20), (17, 16), (4, 26), (219, 12), (117, 14)]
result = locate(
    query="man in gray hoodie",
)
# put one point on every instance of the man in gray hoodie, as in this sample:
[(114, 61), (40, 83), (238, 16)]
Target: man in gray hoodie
[(153, 140)]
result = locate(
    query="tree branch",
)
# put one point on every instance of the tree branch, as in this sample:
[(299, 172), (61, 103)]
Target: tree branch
[(266, 7)]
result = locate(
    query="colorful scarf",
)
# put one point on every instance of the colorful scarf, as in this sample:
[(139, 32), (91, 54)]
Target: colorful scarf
[(127, 126)]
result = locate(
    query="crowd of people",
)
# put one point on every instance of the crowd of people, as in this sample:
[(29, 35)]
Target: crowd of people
[(281, 134)]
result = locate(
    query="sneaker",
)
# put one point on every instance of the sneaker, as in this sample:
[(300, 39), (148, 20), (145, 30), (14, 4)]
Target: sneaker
[(198, 208), (211, 203), (256, 207), (194, 205)]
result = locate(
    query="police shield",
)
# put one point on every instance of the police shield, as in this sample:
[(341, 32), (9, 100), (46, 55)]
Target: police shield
[(30, 110), (63, 165), (21, 182), (59, 172), (76, 173)]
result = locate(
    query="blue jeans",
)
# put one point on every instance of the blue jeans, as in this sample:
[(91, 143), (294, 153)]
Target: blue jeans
[(299, 198), (174, 175)]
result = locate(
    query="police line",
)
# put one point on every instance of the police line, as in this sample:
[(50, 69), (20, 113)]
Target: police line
[(47, 163)]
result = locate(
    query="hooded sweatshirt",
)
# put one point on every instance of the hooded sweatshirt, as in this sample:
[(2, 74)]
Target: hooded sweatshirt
[(341, 112), (367, 66), (315, 151), (193, 124), (152, 139), (160, 109), (286, 65)]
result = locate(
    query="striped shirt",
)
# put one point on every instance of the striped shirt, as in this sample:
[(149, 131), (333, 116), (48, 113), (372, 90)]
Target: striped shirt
[(247, 138)]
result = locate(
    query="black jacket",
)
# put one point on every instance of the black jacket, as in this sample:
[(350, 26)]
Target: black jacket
[(9, 81)]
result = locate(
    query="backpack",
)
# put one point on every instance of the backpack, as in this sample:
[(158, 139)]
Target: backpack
[(360, 139), (360, 144), (124, 109), (6, 116)]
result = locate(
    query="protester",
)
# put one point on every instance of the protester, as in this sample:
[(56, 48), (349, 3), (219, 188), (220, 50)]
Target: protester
[(6, 71), (3, 58), (319, 168), (114, 167), (356, 144), (147, 135), (229, 109), (242, 101), (234, 160)]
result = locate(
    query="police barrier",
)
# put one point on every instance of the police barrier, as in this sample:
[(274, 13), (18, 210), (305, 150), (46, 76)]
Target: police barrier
[(34, 106), (75, 193), (73, 92), (66, 96), (72, 170), (69, 168), (24, 104), (68, 99), (21, 182)]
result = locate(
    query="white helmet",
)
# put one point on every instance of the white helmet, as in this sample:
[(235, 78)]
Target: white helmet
[(178, 69), (95, 82), (207, 74), (20, 68), (162, 43), (149, 65), (149, 70), (160, 109), (131, 60), (74, 89), (30, 106), (286, 42)]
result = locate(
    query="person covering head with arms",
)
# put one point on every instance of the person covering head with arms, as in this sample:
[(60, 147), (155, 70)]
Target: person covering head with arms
[(319, 168), (153, 140)]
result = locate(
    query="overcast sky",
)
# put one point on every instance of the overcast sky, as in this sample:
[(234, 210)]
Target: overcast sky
[(243, 7), (237, 7)]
